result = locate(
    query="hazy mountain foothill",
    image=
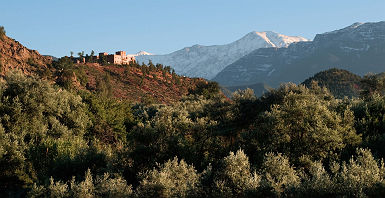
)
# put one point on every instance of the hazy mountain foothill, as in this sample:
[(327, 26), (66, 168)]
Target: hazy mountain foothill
[(83, 127)]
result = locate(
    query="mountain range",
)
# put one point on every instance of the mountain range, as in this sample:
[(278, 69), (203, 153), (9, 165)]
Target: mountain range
[(208, 61), (359, 48), (267, 59)]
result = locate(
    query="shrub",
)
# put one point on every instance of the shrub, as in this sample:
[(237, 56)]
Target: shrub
[(235, 177), (278, 176), (171, 179), (318, 182), (360, 174), (104, 186)]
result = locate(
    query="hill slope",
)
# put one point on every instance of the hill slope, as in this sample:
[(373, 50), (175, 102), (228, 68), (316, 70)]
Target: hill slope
[(339, 82), (135, 83), (14, 55)]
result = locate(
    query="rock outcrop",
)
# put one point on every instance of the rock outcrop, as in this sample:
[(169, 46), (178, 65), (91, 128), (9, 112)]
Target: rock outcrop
[(14, 55)]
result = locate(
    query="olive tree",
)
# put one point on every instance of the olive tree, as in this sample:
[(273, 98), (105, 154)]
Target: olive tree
[(303, 122), (235, 177), (174, 178)]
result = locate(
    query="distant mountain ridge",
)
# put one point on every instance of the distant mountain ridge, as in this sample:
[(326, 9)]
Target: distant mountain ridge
[(359, 48), (207, 61)]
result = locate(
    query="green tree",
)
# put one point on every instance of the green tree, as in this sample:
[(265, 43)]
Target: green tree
[(370, 122), (373, 84), (206, 89), (91, 60), (33, 112), (112, 118), (2, 32), (65, 72), (103, 85), (103, 60)]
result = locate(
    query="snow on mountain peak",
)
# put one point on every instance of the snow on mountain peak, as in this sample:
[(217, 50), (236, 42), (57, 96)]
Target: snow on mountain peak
[(143, 53), (273, 38), (207, 61)]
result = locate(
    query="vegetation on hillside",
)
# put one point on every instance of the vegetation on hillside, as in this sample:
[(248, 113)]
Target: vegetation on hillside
[(136, 83), (340, 82), (294, 141)]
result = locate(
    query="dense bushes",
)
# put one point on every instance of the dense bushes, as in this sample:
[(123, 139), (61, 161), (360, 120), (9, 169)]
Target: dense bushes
[(304, 124), (33, 115), (102, 186), (292, 142)]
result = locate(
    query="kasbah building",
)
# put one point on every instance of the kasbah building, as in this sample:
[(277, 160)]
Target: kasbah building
[(119, 58)]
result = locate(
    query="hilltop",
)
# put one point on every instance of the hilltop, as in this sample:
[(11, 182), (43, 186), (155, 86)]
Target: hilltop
[(339, 82), (13, 55), (134, 82)]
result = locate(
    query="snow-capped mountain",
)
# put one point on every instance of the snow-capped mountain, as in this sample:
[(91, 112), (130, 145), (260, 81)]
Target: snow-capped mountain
[(358, 48), (140, 53), (143, 53), (208, 61)]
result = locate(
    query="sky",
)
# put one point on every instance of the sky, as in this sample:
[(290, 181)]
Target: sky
[(56, 27)]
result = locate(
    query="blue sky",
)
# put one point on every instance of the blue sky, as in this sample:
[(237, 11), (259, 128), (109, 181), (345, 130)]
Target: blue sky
[(57, 27)]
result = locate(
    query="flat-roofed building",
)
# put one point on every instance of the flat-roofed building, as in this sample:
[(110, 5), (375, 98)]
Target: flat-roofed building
[(119, 58)]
